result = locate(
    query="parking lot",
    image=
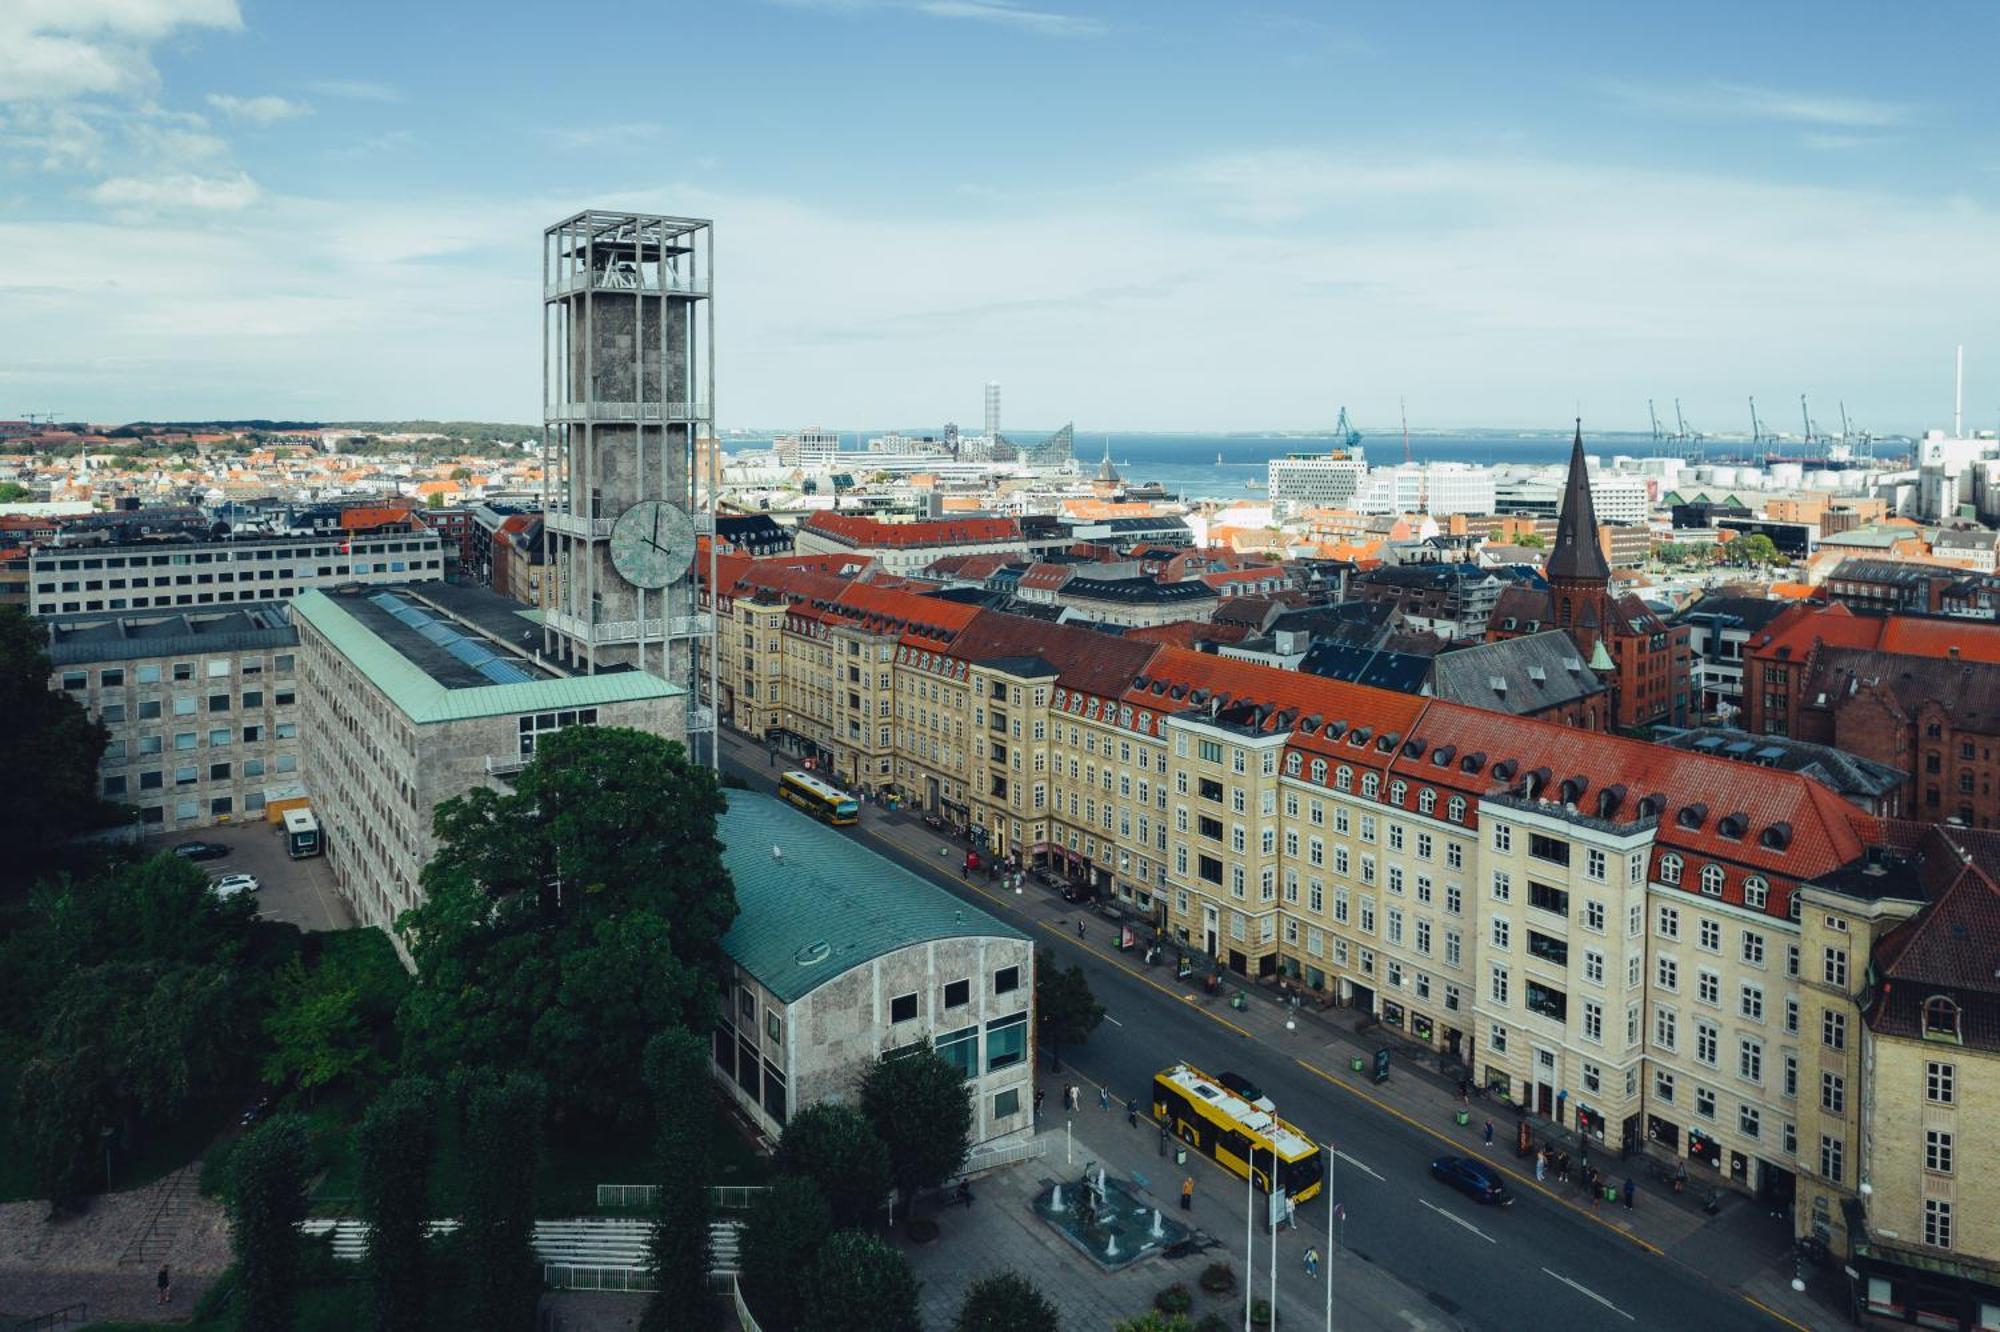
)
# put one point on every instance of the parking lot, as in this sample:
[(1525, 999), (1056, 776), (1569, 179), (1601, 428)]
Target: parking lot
[(299, 892)]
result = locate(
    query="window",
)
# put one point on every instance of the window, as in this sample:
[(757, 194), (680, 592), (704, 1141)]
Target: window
[(1593, 863), (1007, 1104), (1939, 1083), (1749, 1120), (1711, 880), (1707, 1043), (1708, 986), (1756, 892), (1008, 979), (1666, 1025), (1833, 1030), (903, 1008), (1833, 967), (1501, 931), (1669, 922), (1750, 1060), (1833, 1093), (1937, 1151), (1496, 1039), (1753, 948), (1593, 916), (1593, 966), (1711, 936), (1751, 1002), (1940, 1019), (1593, 1020), (1503, 886), (1670, 869), (1937, 1223), (1663, 1085), (774, 1026), (957, 994), (1499, 985), (1006, 1042), (1704, 1102), (1667, 971), (1503, 837), (1555, 900), (1832, 1158)]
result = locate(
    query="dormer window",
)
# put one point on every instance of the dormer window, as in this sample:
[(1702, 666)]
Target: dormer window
[(1371, 784), (1941, 1019), (1397, 790), (1711, 880), (1670, 869), (1343, 780), (1427, 801), (1319, 772), (1455, 810)]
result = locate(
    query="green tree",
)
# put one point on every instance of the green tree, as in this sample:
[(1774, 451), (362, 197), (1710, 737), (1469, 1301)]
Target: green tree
[(393, 1143), (677, 1073), (503, 1150), (920, 1105), (838, 1150), (1154, 1321), (1065, 1009), (267, 1200), (1005, 1302), (1531, 541), (49, 748), (861, 1284), (568, 920), (782, 1236), (1756, 549), (13, 491), (319, 1036)]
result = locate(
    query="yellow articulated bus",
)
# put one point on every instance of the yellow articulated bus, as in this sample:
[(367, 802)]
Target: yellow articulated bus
[(822, 800), (1236, 1134)]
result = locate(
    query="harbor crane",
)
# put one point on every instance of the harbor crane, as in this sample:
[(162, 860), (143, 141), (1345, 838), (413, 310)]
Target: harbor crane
[(1654, 417), (1756, 426), (1805, 415), (1345, 430)]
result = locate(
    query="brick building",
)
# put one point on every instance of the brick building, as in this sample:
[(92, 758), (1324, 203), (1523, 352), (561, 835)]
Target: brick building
[(1648, 662)]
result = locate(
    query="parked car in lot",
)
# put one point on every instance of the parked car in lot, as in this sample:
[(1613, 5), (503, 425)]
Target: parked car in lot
[(1248, 1090), (200, 850), (229, 885), (1475, 1179)]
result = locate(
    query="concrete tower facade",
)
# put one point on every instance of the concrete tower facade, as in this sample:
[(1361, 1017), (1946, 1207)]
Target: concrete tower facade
[(992, 412), (628, 388)]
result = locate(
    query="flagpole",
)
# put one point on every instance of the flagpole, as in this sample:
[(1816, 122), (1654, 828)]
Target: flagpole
[(1330, 1205), (1249, 1235), (1271, 1211)]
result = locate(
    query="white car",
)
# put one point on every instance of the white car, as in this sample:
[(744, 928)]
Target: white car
[(229, 885)]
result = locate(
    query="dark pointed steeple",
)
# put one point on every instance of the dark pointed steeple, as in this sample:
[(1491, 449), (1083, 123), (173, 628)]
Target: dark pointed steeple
[(1577, 557)]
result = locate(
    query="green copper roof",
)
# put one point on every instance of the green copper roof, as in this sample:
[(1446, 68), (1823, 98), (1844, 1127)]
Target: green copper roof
[(827, 904), (425, 700)]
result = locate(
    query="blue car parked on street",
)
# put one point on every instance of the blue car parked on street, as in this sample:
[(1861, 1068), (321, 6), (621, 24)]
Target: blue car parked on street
[(1475, 1179)]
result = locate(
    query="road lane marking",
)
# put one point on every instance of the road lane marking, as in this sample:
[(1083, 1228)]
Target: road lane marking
[(1112, 1020), (1585, 1290), (1356, 1164), (1461, 1221)]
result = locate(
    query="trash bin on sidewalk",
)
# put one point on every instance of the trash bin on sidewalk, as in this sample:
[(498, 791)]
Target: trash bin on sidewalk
[(1180, 1154), (1461, 1118), (1354, 1065)]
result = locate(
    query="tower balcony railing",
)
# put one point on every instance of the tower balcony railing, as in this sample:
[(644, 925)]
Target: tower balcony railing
[(568, 524), (582, 413), (628, 631), (618, 279)]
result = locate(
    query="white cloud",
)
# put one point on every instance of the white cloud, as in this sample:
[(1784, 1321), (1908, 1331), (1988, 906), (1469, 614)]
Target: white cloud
[(1742, 101), (52, 138), (358, 90), (53, 50), (258, 110), (176, 192), (1007, 13)]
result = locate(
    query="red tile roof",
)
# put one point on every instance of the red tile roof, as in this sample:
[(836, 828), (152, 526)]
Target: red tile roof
[(1090, 661), (855, 530)]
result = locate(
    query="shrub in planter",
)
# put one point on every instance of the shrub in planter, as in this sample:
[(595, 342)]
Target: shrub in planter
[(1175, 1299), (921, 1230), (1262, 1314), (1218, 1278), (1213, 1322)]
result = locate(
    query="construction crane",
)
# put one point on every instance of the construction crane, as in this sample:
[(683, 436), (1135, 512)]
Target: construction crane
[(1349, 436), (1756, 426), (1654, 417)]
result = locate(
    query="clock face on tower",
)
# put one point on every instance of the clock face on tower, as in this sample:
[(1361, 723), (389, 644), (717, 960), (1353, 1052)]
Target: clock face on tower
[(652, 544)]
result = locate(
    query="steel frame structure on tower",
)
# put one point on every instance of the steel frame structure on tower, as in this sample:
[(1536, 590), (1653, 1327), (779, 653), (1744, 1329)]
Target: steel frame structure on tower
[(628, 376)]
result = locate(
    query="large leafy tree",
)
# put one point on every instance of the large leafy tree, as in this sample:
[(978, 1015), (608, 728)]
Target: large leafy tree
[(781, 1239), (677, 1074), (267, 1200), (861, 1284), (49, 747), (838, 1150), (1065, 1008), (567, 921), (393, 1143), (319, 1035), (503, 1150), (921, 1107), (1006, 1302)]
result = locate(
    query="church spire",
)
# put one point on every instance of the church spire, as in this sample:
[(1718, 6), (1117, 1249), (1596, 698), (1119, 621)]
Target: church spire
[(1577, 557)]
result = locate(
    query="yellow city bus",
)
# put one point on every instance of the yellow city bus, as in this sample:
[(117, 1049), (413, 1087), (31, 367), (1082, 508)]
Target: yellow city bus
[(822, 800), (1236, 1134)]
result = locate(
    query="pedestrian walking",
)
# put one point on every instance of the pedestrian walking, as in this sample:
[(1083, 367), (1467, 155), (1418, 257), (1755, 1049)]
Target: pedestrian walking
[(1039, 1094), (1465, 1091), (1187, 1194), (1075, 1097), (1489, 1133), (1079, 929), (1103, 1097), (1312, 1261), (1628, 1193), (1131, 1112), (1596, 1197), (165, 1282), (1541, 1165), (1291, 1212)]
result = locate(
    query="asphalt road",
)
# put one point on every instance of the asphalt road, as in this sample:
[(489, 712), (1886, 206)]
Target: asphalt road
[(1535, 1264)]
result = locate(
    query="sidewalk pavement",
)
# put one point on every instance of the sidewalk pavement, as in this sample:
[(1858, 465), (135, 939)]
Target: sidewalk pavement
[(1000, 1232)]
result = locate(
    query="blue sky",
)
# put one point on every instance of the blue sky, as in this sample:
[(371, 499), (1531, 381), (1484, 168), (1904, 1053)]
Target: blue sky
[(1137, 215)]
